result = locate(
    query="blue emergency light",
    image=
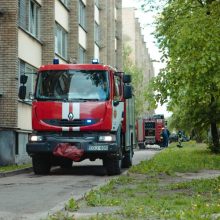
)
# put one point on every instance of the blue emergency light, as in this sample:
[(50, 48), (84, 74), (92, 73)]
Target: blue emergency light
[(95, 61), (55, 61)]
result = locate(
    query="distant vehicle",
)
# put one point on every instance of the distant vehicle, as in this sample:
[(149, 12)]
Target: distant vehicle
[(173, 137), (149, 130), (185, 138)]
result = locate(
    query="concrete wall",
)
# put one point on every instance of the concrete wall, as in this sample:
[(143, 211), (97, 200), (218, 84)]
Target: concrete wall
[(7, 147)]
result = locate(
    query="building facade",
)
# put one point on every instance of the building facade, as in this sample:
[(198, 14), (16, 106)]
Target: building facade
[(33, 33), (134, 38)]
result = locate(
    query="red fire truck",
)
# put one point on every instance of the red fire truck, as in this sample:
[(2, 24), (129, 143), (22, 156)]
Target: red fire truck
[(81, 111), (149, 130)]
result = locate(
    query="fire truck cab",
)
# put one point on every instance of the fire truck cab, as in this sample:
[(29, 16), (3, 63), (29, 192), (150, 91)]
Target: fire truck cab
[(81, 111)]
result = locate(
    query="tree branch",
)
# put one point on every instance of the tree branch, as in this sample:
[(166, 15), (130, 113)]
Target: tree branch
[(201, 3)]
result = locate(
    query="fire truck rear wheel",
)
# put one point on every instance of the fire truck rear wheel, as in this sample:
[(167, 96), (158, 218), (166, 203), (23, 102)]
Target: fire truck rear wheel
[(41, 164)]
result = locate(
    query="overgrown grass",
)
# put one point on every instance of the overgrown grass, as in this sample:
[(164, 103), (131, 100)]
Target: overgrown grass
[(14, 167), (191, 158), (151, 190)]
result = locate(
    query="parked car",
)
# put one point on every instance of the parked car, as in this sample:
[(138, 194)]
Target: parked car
[(173, 137)]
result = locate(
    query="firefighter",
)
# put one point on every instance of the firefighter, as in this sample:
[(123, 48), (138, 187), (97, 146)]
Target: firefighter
[(180, 138), (165, 137)]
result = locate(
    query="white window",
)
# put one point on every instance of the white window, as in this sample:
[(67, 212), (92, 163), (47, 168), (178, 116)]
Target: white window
[(61, 41), (82, 14), (65, 2), (97, 34), (30, 72), (82, 55), (29, 16)]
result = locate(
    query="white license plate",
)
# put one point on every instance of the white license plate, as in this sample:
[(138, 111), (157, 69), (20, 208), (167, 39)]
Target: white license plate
[(98, 148)]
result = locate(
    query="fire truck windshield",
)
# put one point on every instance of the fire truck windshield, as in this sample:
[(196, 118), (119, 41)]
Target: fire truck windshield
[(72, 85)]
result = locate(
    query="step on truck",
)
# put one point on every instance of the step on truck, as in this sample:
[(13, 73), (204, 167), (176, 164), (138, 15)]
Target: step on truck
[(81, 111)]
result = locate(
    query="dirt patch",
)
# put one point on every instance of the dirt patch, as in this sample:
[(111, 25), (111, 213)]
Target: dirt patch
[(202, 174)]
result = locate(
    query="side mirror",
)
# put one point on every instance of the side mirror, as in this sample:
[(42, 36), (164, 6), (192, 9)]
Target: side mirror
[(22, 92), (127, 91), (126, 78), (23, 79)]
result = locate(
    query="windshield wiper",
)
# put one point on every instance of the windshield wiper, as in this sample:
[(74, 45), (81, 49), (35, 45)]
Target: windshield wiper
[(82, 99), (51, 99)]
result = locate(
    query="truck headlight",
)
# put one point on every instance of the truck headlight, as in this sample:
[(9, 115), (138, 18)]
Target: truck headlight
[(35, 138), (107, 138)]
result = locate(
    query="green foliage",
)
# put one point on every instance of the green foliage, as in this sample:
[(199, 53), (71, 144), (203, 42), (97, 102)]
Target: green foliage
[(188, 36), (71, 205), (14, 167), (141, 91), (192, 157), (148, 193)]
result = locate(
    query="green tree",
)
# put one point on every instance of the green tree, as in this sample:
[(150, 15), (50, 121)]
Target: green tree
[(140, 90), (188, 34)]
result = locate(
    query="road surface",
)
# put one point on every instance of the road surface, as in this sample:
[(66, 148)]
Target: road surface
[(31, 197)]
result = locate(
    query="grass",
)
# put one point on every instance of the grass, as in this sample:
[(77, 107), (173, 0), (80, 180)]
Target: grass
[(13, 167), (191, 158), (151, 190)]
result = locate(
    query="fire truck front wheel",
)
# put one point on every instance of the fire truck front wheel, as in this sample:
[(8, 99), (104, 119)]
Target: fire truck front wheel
[(41, 164), (113, 164)]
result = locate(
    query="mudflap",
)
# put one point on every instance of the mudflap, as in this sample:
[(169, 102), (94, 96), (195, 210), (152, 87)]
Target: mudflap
[(68, 151)]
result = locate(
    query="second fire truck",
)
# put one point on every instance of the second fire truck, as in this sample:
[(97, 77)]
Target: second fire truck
[(149, 130)]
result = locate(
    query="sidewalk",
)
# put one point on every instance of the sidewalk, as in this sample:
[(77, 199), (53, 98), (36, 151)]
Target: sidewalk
[(15, 172)]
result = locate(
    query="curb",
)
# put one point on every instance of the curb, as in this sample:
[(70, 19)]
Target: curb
[(15, 172)]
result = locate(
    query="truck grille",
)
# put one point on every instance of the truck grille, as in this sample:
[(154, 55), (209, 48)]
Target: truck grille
[(70, 123)]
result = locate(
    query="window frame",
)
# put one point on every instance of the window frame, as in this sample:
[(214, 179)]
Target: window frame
[(29, 70), (82, 59), (82, 14), (29, 18), (61, 41), (65, 3)]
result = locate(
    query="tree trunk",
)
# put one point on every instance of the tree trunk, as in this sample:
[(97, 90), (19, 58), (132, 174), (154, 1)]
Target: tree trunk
[(215, 138)]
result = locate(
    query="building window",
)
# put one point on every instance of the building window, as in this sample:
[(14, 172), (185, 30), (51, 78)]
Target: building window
[(30, 71), (97, 3), (82, 14), (29, 16), (65, 2), (61, 42), (82, 55), (97, 34)]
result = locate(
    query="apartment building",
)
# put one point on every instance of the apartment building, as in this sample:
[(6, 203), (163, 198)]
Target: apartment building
[(134, 38), (33, 33)]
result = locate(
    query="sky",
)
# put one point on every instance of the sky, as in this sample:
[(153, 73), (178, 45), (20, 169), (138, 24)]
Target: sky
[(146, 20)]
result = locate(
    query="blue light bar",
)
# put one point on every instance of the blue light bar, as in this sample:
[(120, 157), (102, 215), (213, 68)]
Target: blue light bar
[(95, 61), (55, 61), (89, 121)]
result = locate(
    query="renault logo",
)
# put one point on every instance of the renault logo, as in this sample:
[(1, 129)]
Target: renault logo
[(71, 116)]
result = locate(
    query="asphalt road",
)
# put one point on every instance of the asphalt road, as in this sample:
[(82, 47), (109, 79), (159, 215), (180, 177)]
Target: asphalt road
[(32, 197)]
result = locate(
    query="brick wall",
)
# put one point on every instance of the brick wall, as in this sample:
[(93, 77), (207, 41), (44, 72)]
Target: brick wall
[(73, 31), (48, 30), (90, 30), (8, 63)]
